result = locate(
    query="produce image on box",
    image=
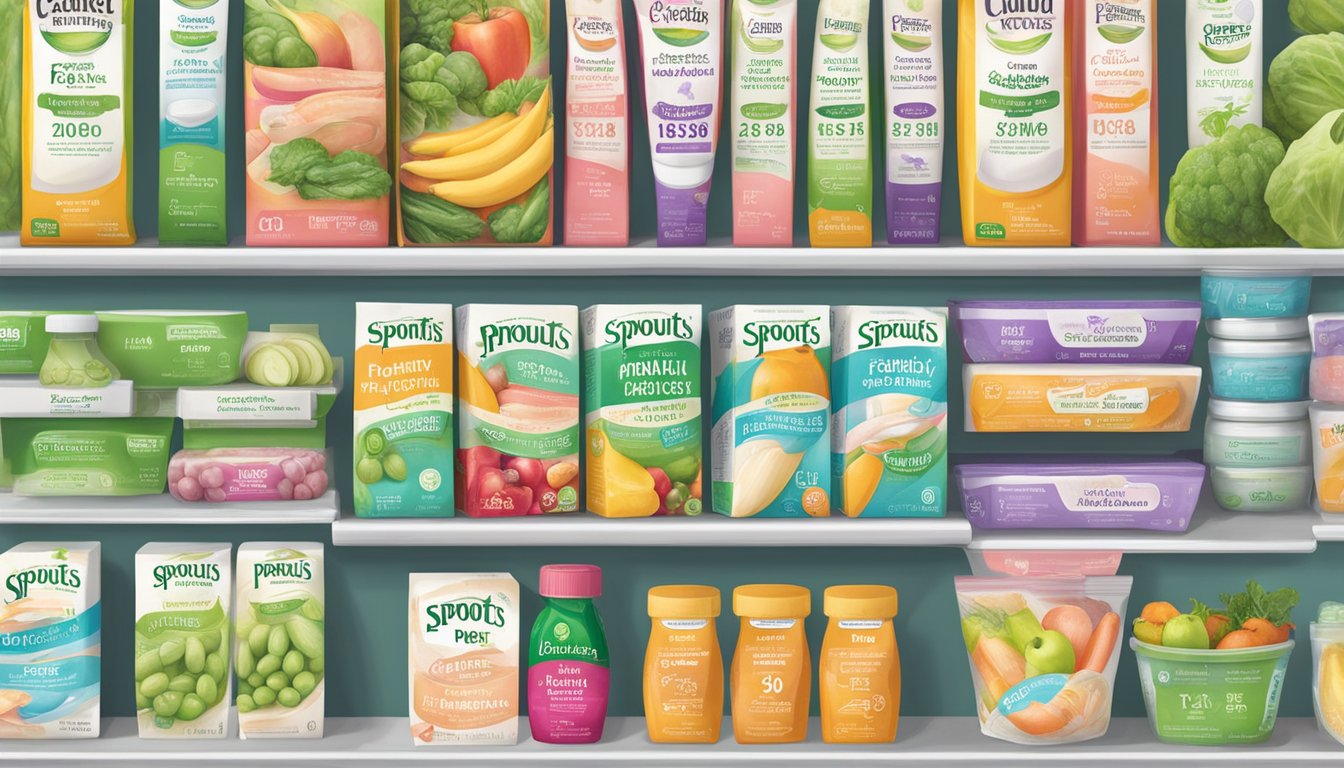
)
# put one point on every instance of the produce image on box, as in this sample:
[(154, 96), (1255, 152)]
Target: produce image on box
[(518, 436), (642, 388), (86, 456), (51, 640), (1043, 654), (403, 410), (183, 594), (475, 123), (463, 671), (315, 110), (281, 649)]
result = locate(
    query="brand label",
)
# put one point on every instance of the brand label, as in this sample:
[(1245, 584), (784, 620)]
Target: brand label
[(177, 575), (760, 334), (405, 331)]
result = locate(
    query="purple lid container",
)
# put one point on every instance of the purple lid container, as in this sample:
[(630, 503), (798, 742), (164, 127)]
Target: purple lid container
[(1161, 331), (1155, 494)]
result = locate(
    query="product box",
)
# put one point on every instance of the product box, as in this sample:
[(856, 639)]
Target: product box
[(403, 410), (183, 594), (642, 393), (518, 437), (475, 122), (1080, 398), (463, 659), (281, 648), (50, 640), (771, 408), (889, 411), (87, 456)]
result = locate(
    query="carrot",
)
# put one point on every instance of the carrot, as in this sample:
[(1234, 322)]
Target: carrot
[(1239, 638), (1159, 613), (1102, 642)]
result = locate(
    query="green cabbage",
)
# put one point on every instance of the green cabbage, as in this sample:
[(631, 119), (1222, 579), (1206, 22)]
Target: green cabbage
[(1306, 81), (1317, 16), (1306, 192), (1217, 195)]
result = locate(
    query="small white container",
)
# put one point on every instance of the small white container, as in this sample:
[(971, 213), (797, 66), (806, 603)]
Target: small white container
[(1265, 371), (1258, 435), (1261, 489)]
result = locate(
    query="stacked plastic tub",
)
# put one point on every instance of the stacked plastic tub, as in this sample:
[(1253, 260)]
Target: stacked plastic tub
[(1257, 437)]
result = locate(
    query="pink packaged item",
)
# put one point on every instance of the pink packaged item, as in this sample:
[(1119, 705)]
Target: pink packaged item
[(247, 474)]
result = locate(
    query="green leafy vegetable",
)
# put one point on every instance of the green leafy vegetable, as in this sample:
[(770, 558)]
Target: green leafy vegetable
[(1306, 80), (305, 165), (1217, 195), (11, 118), (271, 40), (1256, 603), (1317, 16), (431, 84), (1216, 121), (430, 22), (538, 23), (1306, 192), (467, 69), (430, 219), (524, 223), (511, 95)]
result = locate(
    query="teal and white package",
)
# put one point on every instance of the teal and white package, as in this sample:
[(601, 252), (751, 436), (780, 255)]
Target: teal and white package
[(771, 408), (889, 406), (50, 640), (192, 62)]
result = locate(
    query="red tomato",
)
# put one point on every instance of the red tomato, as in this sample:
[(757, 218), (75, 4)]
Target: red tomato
[(502, 43)]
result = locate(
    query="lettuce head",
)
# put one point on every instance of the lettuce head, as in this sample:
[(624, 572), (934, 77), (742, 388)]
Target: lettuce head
[(1306, 80), (1317, 16), (1306, 192), (1217, 195)]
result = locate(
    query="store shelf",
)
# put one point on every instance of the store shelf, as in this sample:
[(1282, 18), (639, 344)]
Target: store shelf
[(1329, 527), (163, 510), (707, 530), (952, 742), (719, 258)]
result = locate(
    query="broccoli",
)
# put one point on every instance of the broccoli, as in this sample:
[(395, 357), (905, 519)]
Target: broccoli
[(1218, 192)]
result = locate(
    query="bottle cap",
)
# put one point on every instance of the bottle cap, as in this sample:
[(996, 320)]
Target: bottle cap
[(860, 601), (72, 323), (571, 580), (684, 601), (772, 601)]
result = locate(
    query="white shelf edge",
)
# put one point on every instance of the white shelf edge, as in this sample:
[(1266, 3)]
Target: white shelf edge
[(706, 530), (163, 509), (949, 742)]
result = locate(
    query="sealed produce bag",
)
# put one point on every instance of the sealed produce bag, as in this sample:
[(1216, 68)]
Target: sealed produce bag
[(1043, 654), (1327, 669)]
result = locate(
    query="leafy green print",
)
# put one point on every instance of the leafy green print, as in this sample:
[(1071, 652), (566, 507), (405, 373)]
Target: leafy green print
[(535, 11), (430, 22), (1256, 603), (511, 95), (271, 40), (435, 86), (524, 223), (1215, 122), (11, 105), (431, 219), (305, 165)]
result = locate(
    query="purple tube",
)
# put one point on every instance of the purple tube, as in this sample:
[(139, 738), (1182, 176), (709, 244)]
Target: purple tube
[(1155, 494), (1076, 331)]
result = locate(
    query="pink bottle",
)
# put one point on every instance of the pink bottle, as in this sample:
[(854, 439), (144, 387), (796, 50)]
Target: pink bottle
[(568, 673)]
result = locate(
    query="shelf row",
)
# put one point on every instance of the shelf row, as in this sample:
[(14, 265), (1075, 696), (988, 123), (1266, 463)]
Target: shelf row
[(948, 742)]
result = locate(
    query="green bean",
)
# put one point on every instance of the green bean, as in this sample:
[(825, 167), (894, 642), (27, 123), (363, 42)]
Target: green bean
[(245, 703), (289, 697), (263, 696), (147, 664), (166, 704), (278, 645), (257, 638), (293, 663), (182, 684), (268, 665), (207, 690), (154, 685), (214, 666), (194, 656), (277, 681), (192, 707), (171, 651), (256, 680), (246, 663), (304, 683)]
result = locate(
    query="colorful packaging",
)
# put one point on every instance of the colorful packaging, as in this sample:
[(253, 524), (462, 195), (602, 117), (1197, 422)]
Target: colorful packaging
[(1241, 294), (281, 621), (683, 666), (87, 456), (11, 117), (771, 396), (193, 42), (764, 59), (242, 474), (77, 113), (839, 147), (1080, 492), (1043, 654), (403, 410), (889, 408), (772, 669), (171, 348), (1014, 113), (518, 438), (1225, 66), (315, 109), (463, 659), (182, 640), (23, 340), (912, 44), (1128, 331), (51, 640), (1327, 455), (1265, 371), (642, 389), (1080, 398), (597, 135), (476, 136), (568, 669), (859, 673), (1327, 669), (1327, 356)]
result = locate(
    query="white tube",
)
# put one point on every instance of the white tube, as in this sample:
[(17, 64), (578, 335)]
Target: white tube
[(1225, 53)]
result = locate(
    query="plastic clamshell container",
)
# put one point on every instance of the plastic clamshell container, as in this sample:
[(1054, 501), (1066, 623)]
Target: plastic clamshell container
[(1250, 434), (1233, 293), (1076, 331), (161, 349), (1080, 398), (1327, 677), (1257, 328), (1157, 494), (1186, 692), (1271, 371), (1261, 489), (247, 474), (1327, 356)]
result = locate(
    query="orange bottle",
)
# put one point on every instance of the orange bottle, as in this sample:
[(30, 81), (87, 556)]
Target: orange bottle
[(860, 675), (683, 667), (772, 669)]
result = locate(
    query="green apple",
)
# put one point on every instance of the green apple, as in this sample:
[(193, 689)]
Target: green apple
[(1147, 632), (1022, 627), (1185, 631), (1049, 653)]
